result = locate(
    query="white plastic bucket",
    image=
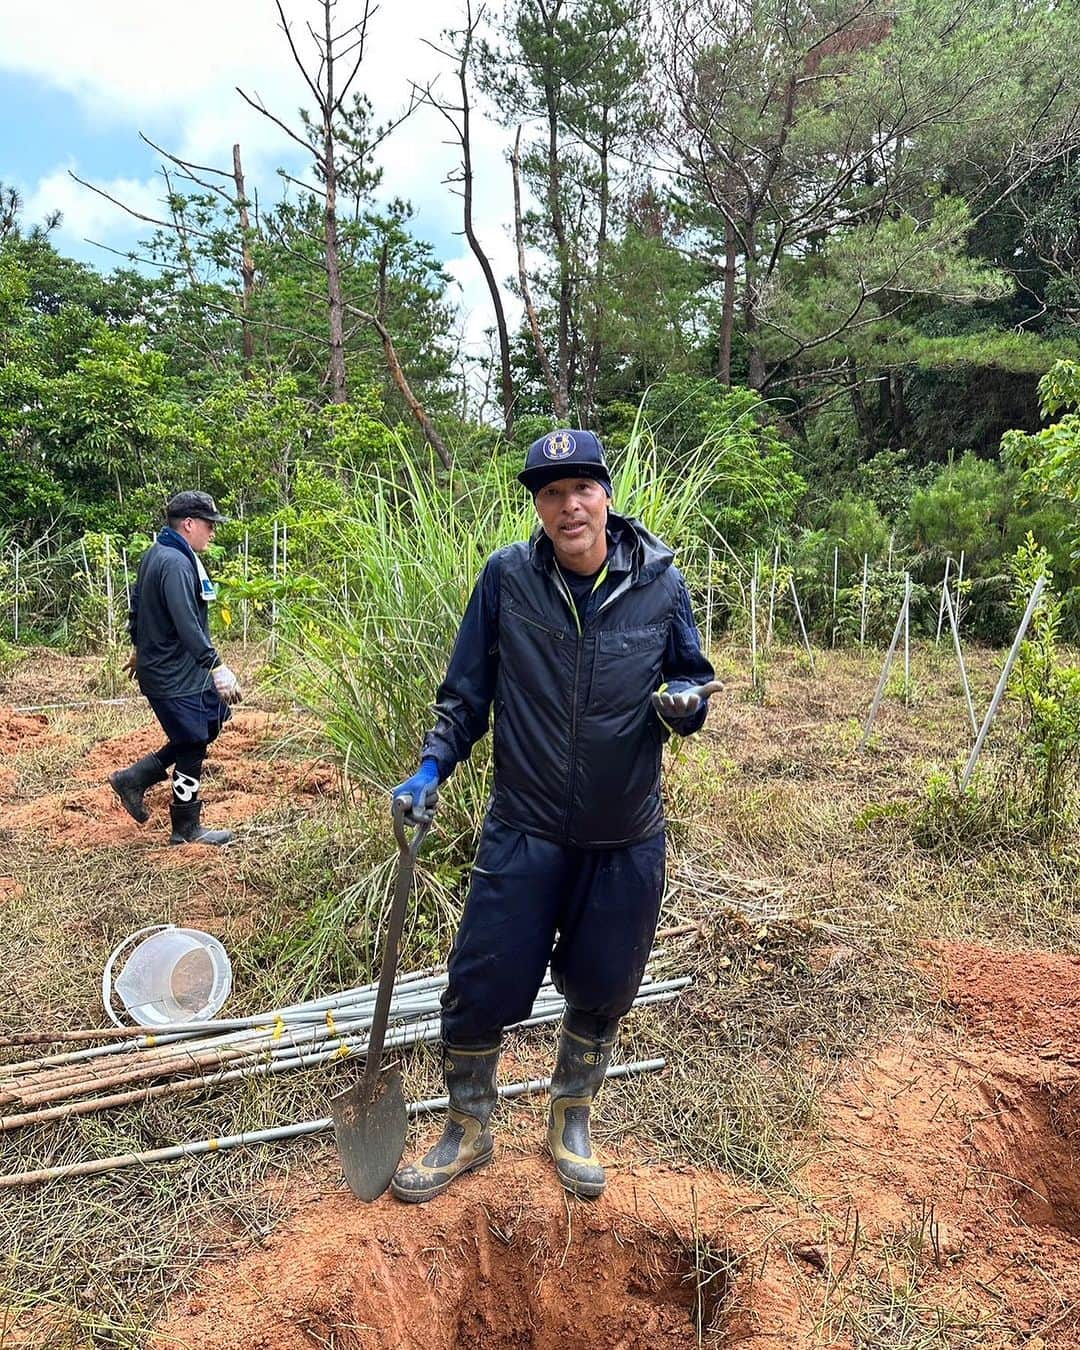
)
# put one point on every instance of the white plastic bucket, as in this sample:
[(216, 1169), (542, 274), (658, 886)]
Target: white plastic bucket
[(174, 975)]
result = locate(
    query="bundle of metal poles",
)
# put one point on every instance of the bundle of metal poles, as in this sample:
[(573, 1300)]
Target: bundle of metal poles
[(134, 1067)]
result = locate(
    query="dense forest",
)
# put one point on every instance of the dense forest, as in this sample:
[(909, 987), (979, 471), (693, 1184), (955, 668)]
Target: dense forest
[(830, 245)]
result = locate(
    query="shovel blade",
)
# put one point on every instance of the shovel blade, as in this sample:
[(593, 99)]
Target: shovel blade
[(370, 1135)]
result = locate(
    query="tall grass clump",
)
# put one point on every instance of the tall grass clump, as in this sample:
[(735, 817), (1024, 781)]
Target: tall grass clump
[(370, 643)]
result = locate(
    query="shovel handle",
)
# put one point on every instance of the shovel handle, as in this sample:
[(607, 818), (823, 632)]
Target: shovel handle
[(408, 848), (400, 811)]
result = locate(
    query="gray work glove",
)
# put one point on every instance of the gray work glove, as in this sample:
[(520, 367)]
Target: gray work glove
[(678, 703), (131, 665)]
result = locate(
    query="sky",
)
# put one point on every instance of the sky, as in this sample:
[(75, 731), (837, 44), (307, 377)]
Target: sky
[(80, 79)]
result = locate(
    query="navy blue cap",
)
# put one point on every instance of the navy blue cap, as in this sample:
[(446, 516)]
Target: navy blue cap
[(194, 503), (565, 454)]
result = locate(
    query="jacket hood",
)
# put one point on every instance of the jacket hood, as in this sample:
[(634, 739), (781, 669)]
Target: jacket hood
[(635, 550)]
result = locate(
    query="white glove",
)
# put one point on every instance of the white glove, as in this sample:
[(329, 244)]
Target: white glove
[(227, 685)]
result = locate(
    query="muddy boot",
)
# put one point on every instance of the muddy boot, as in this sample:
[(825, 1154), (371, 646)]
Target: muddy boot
[(580, 1066), (186, 828), (466, 1139), (130, 784)]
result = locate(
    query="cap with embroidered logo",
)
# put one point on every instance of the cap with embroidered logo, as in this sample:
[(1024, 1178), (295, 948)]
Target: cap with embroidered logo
[(567, 453)]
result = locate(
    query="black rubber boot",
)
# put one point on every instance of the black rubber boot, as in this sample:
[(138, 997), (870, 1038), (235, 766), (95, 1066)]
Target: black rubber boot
[(466, 1142), (580, 1067), (130, 784), (186, 828)]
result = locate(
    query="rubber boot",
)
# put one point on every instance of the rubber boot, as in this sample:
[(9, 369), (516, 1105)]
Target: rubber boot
[(465, 1143), (130, 784), (580, 1066), (186, 828)]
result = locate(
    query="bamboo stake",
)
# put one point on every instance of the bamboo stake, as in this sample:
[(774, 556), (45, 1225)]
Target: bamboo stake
[(907, 635), (999, 692), (835, 588), (772, 595), (960, 662), (42, 1089), (884, 674), (802, 626), (286, 1064), (109, 616), (862, 605), (753, 631), (246, 605), (95, 1166), (273, 602), (16, 623), (708, 605), (959, 584), (941, 602)]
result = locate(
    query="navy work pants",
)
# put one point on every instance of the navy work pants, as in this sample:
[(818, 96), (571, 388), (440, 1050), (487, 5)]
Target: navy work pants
[(191, 724), (591, 912)]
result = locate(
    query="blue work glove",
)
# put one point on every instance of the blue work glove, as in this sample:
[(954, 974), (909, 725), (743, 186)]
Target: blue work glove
[(421, 792)]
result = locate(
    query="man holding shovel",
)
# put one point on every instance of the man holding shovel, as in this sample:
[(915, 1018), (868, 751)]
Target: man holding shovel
[(187, 684), (583, 642)]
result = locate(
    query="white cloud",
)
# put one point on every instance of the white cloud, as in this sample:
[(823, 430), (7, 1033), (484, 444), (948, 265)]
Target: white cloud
[(87, 216), (171, 70)]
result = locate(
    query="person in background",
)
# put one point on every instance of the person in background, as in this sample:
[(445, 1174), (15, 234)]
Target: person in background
[(583, 642), (185, 681)]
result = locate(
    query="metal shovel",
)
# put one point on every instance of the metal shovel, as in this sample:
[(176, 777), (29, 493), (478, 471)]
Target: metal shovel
[(369, 1117)]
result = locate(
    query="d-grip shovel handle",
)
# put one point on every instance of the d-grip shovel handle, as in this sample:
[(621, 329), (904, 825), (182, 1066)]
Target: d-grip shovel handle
[(407, 850)]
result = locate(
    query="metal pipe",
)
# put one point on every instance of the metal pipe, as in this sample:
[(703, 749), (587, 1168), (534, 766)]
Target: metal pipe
[(347, 1035), (282, 1064), (999, 692), (95, 1166)]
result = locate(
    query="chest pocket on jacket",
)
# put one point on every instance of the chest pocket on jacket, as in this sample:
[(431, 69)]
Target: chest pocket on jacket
[(628, 664)]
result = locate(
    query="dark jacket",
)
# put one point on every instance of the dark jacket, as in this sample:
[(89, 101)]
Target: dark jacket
[(577, 744), (169, 622)]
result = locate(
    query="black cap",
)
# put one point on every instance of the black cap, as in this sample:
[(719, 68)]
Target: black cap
[(193, 503), (565, 454)]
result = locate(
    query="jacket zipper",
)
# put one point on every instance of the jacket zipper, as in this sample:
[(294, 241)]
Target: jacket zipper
[(551, 632), (564, 591)]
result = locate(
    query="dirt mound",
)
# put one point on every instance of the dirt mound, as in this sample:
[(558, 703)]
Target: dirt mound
[(241, 782), (1022, 1001)]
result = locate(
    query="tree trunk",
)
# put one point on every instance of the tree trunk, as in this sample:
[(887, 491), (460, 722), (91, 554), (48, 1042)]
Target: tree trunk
[(558, 228), (727, 316), (858, 405), (481, 257), (393, 364), (596, 347), (523, 281), (338, 388), (755, 360), (247, 262)]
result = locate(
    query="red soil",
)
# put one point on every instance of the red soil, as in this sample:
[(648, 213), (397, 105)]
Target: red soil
[(946, 1176), (84, 812), (948, 1173)]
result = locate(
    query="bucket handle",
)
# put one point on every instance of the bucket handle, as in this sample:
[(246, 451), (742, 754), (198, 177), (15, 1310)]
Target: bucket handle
[(106, 974)]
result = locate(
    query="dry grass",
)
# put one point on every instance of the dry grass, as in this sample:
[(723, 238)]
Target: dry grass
[(793, 853)]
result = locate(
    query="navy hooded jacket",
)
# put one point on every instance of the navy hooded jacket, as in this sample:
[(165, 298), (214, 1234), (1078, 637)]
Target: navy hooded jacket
[(169, 622), (577, 744)]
